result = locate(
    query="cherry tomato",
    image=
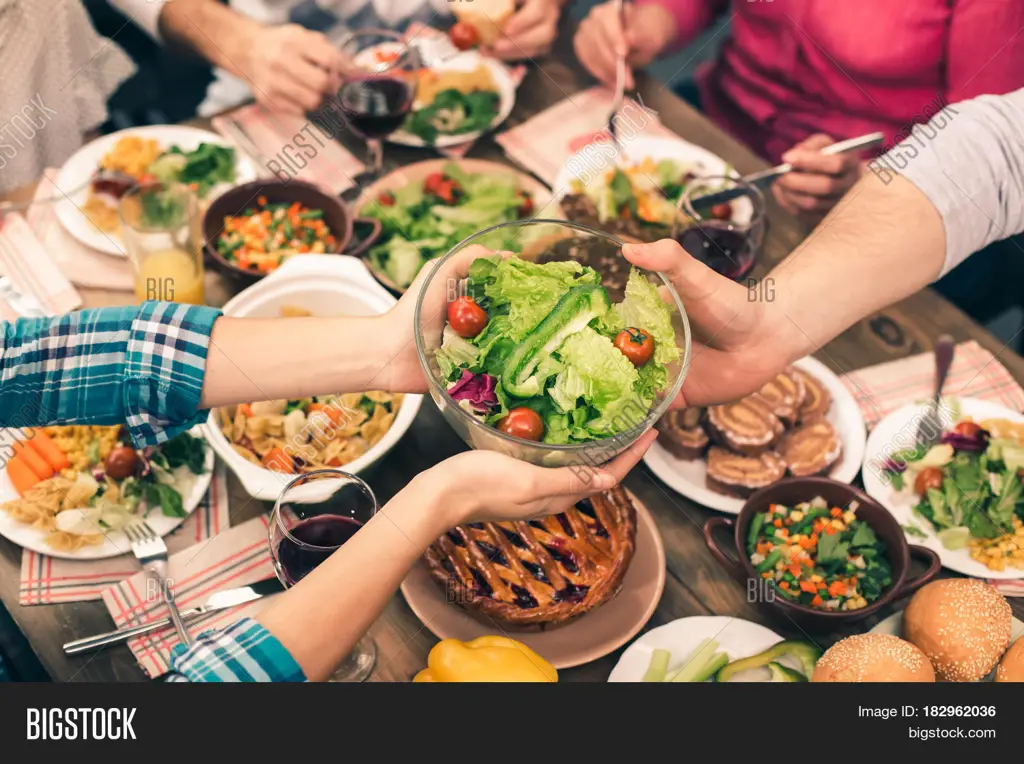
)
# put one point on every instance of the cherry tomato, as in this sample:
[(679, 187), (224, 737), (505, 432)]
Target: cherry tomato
[(121, 462), (526, 204), (522, 423), (929, 477), (721, 211), (432, 182), (449, 191), (464, 36), (636, 344), (967, 429), (466, 317), (387, 199)]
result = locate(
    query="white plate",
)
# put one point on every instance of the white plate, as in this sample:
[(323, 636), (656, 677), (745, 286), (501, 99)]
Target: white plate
[(115, 543), (894, 625), (895, 432), (588, 164), (83, 163), (327, 286), (736, 637), (466, 61), (586, 639), (688, 477)]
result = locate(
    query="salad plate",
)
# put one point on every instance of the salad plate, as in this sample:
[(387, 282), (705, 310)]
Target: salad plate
[(894, 434), (689, 477), (592, 636), (74, 177), (424, 214), (736, 637), (115, 543)]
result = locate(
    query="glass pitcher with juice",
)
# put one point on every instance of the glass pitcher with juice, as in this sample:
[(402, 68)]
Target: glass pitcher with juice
[(162, 233)]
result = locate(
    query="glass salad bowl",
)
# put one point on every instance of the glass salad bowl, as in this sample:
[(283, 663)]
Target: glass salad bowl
[(613, 421)]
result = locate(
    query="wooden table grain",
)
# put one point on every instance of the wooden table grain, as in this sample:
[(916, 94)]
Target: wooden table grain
[(695, 585)]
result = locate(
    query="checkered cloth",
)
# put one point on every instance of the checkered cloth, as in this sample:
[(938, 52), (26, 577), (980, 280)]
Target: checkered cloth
[(49, 580), (880, 390), (235, 557), (143, 365)]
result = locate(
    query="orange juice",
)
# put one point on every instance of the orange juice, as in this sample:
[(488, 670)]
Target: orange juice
[(173, 275)]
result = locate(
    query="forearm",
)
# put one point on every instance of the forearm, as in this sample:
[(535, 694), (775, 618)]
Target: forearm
[(866, 254), (212, 30), (254, 359), (321, 618)]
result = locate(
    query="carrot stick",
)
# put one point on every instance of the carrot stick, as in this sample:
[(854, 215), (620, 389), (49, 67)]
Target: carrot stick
[(21, 475), (43, 444), (32, 460)]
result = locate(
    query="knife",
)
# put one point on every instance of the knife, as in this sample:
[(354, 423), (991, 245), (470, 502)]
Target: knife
[(219, 601), (765, 177)]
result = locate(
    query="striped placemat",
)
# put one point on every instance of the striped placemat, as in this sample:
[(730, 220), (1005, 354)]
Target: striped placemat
[(237, 557), (47, 580), (975, 373)]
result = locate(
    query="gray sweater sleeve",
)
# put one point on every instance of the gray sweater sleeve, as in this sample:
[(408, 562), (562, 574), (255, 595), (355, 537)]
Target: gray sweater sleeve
[(969, 161)]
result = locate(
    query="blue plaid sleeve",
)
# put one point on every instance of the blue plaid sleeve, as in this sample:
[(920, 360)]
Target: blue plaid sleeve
[(243, 652), (142, 366)]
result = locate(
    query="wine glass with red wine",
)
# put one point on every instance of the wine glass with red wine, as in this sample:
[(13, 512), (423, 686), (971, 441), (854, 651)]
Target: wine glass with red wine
[(727, 237), (313, 517), (379, 86)]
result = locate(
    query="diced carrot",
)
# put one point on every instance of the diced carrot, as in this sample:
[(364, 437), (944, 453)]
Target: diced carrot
[(837, 588), (261, 200), (767, 574), (33, 460), (278, 460), (836, 512), (794, 569), (808, 586), (816, 601), (784, 585), (21, 475), (830, 531), (764, 547), (43, 444), (245, 409), (777, 523), (806, 542)]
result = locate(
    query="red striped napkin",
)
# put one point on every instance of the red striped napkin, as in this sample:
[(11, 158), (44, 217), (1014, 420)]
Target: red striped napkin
[(289, 146), (880, 390), (237, 557), (544, 143), (28, 264), (49, 580), (81, 265), (439, 40)]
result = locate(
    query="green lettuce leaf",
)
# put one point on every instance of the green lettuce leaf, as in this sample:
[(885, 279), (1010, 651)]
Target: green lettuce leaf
[(455, 353), (643, 308), (531, 291)]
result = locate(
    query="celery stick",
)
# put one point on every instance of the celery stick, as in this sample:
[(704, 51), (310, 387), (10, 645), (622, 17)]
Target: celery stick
[(659, 666), (695, 662)]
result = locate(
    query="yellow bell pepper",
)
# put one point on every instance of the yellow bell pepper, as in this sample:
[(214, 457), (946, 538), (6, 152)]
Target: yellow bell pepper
[(485, 659)]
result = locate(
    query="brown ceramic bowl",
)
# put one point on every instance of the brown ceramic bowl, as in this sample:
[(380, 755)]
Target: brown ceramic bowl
[(337, 216), (794, 491)]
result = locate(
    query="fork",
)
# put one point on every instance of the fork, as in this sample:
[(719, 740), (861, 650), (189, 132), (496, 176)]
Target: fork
[(929, 429), (620, 82), (152, 553)]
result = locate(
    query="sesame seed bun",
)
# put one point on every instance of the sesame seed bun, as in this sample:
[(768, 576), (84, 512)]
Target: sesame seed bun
[(1011, 667), (873, 658), (962, 624)]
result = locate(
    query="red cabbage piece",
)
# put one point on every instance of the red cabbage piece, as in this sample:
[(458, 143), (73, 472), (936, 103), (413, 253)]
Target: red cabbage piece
[(894, 465), (478, 389), (959, 442)]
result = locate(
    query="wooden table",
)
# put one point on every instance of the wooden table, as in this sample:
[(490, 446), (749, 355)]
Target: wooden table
[(695, 585)]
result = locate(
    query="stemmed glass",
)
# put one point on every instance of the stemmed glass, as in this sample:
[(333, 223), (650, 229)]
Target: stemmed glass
[(726, 237), (315, 514), (379, 86)]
